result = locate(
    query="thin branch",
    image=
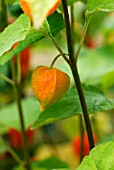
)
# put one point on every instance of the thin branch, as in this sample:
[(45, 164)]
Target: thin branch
[(55, 44), (14, 155), (7, 79), (82, 37), (72, 24), (18, 69), (21, 118), (53, 62)]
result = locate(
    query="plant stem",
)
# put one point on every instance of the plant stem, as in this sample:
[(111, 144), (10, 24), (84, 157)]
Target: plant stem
[(26, 152), (23, 131), (14, 155), (83, 105), (18, 69), (82, 37), (55, 44), (72, 24), (53, 62), (81, 127), (7, 79), (4, 13), (74, 70)]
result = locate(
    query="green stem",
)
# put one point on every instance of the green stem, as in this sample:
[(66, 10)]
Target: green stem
[(82, 37), (72, 23), (14, 155), (18, 101), (7, 79), (74, 70), (55, 44), (25, 148), (13, 72), (18, 69), (4, 13), (53, 62)]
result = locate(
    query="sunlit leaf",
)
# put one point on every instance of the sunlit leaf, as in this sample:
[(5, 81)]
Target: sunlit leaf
[(56, 24), (15, 32), (100, 158), (100, 5)]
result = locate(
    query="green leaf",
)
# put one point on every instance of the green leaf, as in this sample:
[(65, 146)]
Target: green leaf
[(56, 24), (100, 158), (94, 64), (50, 163), (5, 71), (97, 19), (87, 163), (107, 138), (53, 24), (100, 5), (15, 9), (9, 114), (108, 80), (32, 37), (11, 1), (14, 33), (70, 106), (2, 146)]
